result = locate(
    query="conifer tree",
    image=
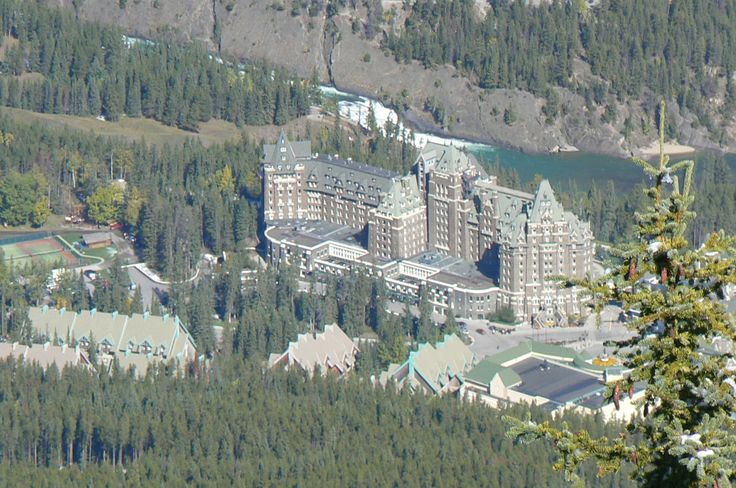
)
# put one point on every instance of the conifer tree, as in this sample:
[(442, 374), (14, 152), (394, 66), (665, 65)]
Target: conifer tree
[(684, 350)]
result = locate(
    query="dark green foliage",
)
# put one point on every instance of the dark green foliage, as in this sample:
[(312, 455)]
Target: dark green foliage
[(436, 109), (181, 209), (685, 435), (236, 426), (91, 70), (676, 49), (112, 290), (19, 195), (504, 315), (380, 148), (509, 115)]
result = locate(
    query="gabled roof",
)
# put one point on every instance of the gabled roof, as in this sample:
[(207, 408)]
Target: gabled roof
[(484, 372), (45, 354), (51, 321), (529, 347), (433, 366), (116, 329), (155, 330), (450, 159), (328, 173), (286, 152), (98, 325), (331, 349), (402, 197), (545, 207)]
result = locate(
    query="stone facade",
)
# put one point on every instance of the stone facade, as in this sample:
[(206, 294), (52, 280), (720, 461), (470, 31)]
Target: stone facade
[(398, 226), (448, 206), (521, 240)]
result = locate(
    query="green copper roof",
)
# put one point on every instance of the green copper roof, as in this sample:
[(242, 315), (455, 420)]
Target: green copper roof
[(484, 372), (436, 365), (534, 347)]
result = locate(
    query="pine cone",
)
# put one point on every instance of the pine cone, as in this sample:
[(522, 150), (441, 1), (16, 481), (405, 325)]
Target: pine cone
[(617, 397), (632, 269)]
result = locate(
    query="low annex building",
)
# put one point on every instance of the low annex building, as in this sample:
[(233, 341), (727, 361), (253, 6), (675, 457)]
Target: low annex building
[(331, 351), (550, 376), (45, 354), (134, 341), (432, 369), (332, 214), (97, 240)]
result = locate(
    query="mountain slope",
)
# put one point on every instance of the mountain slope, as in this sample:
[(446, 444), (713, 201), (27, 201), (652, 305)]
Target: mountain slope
[(337, 49)]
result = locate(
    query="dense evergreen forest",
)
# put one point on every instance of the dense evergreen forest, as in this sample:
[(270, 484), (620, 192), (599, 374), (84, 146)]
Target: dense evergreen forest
[(231, 423), (235, 425), (635, 49), (90, 69)]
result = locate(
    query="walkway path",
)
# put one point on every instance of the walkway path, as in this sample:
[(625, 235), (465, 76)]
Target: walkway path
[(74, 250), (154, 277)]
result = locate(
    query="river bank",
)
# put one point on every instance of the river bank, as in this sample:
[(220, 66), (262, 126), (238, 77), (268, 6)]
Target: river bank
[(672, 148), (561, 168)]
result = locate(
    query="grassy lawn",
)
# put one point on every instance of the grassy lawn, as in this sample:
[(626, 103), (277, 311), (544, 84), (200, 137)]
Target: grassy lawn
[(137, 129), (54, 222), (103, 252)]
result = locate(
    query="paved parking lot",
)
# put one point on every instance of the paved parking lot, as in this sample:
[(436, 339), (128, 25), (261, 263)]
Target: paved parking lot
[(589, 337)]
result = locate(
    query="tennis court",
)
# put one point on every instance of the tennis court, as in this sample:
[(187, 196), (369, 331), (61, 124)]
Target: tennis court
[(46, 250)]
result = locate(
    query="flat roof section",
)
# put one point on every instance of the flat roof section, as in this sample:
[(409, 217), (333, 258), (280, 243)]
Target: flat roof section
[(289, 234), (453, 270), (470, 281), (556, 383), (433, 259), (313, 232)]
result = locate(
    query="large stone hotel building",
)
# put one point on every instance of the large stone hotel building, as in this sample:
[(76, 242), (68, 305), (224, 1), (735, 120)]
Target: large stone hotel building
[(448, 226)]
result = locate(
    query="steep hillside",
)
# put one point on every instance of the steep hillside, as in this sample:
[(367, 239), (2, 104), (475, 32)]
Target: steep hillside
[(345, 49)]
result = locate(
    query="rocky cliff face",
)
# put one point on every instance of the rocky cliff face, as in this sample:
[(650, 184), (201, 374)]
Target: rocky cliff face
[(329, 48)]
